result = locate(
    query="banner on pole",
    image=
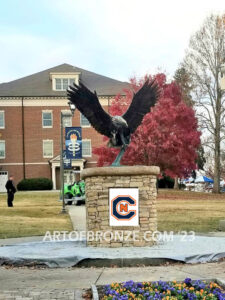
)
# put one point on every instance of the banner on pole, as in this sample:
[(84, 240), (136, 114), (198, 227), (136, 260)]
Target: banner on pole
[(66, 161), (73, 142)]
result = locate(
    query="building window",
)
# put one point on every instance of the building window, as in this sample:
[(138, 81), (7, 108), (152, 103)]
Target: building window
[(47, 148), (84, 121), (61, 84), (2, 149), (86, 148), (2, 119), (47, 119)]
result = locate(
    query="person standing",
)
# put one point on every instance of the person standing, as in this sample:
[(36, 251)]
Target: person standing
[(10, 191)]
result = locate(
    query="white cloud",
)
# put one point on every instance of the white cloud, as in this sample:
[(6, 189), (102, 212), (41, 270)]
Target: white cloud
[(138, 35), (115, 38)]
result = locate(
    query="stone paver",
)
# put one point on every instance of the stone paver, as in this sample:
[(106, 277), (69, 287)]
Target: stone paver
[(60, 278), (27, 294)]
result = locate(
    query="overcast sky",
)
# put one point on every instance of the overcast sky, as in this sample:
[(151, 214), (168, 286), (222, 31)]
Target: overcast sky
[(117, 38)]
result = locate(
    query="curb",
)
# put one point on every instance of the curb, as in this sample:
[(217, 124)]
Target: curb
[(94, 292)]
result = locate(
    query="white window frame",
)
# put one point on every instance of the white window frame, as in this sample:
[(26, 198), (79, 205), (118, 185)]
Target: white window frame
[(84, 126), (4, 173), (87, 140), (3, 142), (3, 113), (47, 156), (61, 79), (47, 111)]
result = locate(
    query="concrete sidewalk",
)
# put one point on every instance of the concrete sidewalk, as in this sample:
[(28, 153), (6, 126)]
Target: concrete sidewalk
[(68, 283), (70, 278), (13, 241), (78, 217)]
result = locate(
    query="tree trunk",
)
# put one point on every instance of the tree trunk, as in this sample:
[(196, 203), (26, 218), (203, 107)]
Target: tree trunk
[(176, 186), (216, 175), (217, 164)]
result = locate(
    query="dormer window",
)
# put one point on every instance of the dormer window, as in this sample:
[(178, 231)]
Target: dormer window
[(61, 81), (61, 84)]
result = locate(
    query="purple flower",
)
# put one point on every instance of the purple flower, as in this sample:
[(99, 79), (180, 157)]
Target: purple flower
[(139, 284), (123, 297), (128, 284), (162, 286), (187, 281)]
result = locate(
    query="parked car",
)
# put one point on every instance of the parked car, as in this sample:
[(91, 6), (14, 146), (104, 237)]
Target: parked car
[(74, 193)]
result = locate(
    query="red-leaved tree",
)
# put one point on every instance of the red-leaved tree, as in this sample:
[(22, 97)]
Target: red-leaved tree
[(168, 136)]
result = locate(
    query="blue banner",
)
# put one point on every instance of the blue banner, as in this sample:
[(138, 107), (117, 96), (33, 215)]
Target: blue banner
[(66, 161), (73, 142)]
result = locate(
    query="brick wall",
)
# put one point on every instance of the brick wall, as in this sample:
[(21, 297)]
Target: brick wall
[(34, 135)]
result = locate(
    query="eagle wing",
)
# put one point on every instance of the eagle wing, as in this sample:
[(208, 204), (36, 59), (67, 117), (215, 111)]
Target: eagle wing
[(88, 104), (141, 103)]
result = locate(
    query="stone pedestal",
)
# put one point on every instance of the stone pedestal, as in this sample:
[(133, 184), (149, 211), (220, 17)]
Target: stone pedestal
[(98, 181)]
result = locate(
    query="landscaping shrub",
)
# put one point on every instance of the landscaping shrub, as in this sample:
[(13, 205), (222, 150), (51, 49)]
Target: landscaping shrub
[(35, 184)]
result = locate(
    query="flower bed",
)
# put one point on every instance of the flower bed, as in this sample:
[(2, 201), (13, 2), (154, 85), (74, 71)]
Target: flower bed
[(188, 289)]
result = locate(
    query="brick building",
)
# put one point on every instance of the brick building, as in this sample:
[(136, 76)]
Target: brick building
[(30, 122)]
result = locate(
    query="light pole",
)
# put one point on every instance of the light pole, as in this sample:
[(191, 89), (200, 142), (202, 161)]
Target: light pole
[(63, 116), (72, 107)]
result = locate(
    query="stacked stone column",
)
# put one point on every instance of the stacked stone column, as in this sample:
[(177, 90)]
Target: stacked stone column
[(97, 184)]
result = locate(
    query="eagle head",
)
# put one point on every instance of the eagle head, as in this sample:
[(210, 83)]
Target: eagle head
[(119, 121)]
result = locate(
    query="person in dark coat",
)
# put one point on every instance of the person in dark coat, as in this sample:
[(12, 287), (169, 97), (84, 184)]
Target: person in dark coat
[(10, 191)]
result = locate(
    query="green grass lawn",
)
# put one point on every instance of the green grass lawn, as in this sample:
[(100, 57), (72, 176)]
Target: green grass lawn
[(35, 213), (181, 210), (32, 214)]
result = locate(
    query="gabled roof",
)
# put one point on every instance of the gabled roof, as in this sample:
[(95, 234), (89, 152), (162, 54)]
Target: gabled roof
[(39, 84)]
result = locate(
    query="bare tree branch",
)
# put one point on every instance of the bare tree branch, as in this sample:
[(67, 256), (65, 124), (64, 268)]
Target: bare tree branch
[(203, 60)]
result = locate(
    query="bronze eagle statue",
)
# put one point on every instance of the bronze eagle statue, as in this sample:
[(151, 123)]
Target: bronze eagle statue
[(117, 128)]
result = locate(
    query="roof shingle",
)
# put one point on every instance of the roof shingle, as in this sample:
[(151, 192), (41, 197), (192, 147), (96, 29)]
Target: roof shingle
[(39, 84)]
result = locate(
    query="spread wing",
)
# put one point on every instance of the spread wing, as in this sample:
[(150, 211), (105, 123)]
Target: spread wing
[(88, 104), (141, 103)]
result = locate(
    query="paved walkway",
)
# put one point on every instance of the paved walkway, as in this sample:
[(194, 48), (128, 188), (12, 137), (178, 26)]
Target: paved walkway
[(68, 283), (78, 217), (37, 294), (13, 241)]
